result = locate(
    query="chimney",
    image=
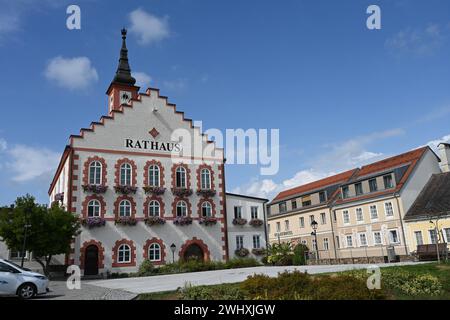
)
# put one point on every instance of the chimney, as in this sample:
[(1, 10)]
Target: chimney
[(444, 153)]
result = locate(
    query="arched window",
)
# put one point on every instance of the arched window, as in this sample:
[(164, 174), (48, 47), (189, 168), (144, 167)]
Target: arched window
[(95, 173), (125, 174), (124, 254), (125, 208), (181, 209), (154, 209), (181, 177), (153, 176), (154, 252), (205, 179), (206, 209), (94, 208)]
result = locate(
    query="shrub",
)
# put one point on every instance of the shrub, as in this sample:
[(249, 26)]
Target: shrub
[(146, 269), (299, 255), (410, 283), (242, 263), (220, 292)]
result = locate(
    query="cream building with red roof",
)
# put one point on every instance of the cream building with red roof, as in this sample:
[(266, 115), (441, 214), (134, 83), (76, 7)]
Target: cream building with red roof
[(359, 213)]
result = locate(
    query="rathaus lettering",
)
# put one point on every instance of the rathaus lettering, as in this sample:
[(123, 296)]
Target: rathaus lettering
[(152, 145)]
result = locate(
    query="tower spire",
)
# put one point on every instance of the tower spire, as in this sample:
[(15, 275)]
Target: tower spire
[(123, 73)]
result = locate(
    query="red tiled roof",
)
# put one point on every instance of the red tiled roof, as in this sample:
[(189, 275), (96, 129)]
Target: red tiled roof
[(410, 157), (392, 162), (319, 184)]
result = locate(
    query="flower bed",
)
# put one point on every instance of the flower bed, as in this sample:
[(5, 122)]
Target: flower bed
[(258, 251), (126, 221), (208, 221), (93, 222), (125, 189), (239, 221), (182, 192), (150, 221), (157, 191), (242, 252), (94, 188), (182, 221), (256, 222), (206, 193)]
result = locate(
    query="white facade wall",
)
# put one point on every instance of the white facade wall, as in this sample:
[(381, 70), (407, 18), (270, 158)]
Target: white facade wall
[(247, 231)]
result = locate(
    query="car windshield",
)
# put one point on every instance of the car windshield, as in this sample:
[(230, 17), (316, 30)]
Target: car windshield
[(15, 265)]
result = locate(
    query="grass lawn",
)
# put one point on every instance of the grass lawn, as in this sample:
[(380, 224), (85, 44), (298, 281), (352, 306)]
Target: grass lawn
[(398, 283)]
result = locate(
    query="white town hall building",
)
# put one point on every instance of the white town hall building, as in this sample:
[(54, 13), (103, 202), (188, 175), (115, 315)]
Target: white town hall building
[(139, 189)]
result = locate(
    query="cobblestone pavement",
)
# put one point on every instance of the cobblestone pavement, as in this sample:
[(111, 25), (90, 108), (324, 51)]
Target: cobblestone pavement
[(59, 291)]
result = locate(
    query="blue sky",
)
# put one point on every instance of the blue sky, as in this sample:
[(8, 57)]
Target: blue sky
[(341, 95)]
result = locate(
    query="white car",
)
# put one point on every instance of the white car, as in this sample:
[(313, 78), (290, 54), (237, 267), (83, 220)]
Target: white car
[(21, 282)]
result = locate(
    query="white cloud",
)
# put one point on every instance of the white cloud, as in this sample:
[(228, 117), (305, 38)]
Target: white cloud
[(148, 27), (9, 23), (71, 73), (417, 41), (142, 79), (3, 145), (434, 143), (28, 163)]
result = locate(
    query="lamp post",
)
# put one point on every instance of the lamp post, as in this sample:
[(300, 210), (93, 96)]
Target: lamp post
[(436, 229), (314, 225), (26, 226), (173, 247)]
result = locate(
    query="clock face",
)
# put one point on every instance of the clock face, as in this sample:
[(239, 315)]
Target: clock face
[(125, 97)]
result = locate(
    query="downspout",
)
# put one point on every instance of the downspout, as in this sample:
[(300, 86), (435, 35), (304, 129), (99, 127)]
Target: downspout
[(225, 224), (332, 213), (396, 196)]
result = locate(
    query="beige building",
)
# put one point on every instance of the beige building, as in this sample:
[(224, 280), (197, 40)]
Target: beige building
[(359, 213)]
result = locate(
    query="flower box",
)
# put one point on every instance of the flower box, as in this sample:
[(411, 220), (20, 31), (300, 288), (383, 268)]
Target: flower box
[(258, 251), (182, 221), (59, 196), (256, 222), (206, 193), (182, 192), (154, 190), (93, 222), (126, 221), (239, 221), (242, 252), (125, 189), (94, 188), (150, 221), (208, 221)]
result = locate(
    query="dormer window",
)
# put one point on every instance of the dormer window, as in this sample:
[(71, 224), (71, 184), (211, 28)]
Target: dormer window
[(358, 188), (322, 197), (373, 185), (282, 207), (388, 182), (345, 192)]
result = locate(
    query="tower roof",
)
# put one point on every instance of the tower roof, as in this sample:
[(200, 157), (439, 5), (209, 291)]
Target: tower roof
[(123, 73)]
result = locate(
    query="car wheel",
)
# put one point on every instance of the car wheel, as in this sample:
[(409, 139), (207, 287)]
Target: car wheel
[(26, 291)]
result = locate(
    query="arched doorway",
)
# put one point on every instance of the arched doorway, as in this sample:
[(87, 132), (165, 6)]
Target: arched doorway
[(91, 261), (194, 251)]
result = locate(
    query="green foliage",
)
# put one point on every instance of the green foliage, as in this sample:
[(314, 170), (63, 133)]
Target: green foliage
[(242, 263), (299, 255), (280, 254), (301, 286), (411, 284), (146, 269), (220, 292), (49, 233)]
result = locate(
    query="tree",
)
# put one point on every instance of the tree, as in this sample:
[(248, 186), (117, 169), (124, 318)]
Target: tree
[(299, 254), (280, 254), (50, 231)]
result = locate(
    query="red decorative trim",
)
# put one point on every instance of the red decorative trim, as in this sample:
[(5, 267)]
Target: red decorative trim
[(174, 206), (199, 207), (101, 255), (87, 163), (133, 171), (199, 176), (163, 250), (84, 205), (223, 210), (161, 172), (161, 205), (174, 175), (117, 203), (132, 263), (200, 243)]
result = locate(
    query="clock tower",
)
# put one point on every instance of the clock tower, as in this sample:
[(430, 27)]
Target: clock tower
[(122, 89)]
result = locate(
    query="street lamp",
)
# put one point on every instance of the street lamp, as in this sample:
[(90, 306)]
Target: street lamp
[(173, 247), (314, 225)]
